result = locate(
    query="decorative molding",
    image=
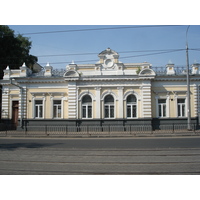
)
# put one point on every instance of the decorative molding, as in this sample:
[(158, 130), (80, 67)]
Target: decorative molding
[(87, 92), (107, 93)]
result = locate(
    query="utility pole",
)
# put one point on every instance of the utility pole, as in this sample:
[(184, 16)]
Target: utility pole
[(188, 85)]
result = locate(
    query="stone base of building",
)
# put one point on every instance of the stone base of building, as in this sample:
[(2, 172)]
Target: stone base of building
[(85, 122), (107, 122), (156, 123)]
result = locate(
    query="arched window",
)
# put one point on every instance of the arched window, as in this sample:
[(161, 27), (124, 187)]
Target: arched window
[(131, 106), (109, 107), (87, 107)]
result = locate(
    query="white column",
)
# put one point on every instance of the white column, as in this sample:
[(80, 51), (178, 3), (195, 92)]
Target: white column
[(5, 103), (146, 99), (120, 102), (72, 100), (195, 93), (22, 103), (98, 102)]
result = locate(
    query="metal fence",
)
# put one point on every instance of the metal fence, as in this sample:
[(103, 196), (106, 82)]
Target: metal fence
[(108, 130)]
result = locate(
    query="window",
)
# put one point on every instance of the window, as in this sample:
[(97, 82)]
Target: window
[(57, 109), (86, 107), (162, 107), (131, 106), (38, 109), (181, 107), (109, 107)]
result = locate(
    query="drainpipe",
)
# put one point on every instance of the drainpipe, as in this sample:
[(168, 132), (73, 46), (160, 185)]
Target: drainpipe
[(21, 93)]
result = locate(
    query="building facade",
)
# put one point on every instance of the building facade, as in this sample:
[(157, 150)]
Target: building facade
[(108, 92)]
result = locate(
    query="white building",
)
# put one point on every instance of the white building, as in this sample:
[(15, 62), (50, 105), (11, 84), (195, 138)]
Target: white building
[(108, 92)]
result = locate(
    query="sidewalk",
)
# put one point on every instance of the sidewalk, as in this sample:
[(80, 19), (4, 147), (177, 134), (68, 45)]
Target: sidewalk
[(42, 134)]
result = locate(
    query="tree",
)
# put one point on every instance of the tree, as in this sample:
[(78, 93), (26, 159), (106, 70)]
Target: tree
[(14, 50)]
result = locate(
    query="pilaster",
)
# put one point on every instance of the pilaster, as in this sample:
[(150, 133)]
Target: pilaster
[(22, 103), (98, 102), (195, 100), (72, 100), (146, 100), (120, 102), (5, 103)]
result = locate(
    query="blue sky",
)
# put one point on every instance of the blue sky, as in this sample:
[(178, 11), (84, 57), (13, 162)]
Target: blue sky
[(120, 40)]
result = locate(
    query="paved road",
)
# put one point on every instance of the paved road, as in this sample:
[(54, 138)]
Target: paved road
[(179, 155)]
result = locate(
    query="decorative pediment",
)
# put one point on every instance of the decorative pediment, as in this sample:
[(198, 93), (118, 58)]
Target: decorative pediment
[(71, 73), (147, 72), (108, 59), (109, 51)]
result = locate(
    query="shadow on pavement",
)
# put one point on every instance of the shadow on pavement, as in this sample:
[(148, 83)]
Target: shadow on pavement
[(14, 146)]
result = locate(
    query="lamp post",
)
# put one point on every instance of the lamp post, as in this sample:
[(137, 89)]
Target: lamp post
[(188, 85)]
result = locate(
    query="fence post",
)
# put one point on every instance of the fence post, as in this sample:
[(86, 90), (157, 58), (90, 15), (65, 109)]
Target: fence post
[(6, 130), (46, 130), (25, 133), (66, 130)]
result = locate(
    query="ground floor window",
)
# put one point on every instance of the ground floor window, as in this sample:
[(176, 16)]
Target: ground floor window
[(86, 107), (181, 107), (57, 109), (109, 109), (131, 103), (161, 107), (38, 109)]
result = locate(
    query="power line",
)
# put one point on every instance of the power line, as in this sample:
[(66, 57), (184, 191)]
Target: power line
[(120, 52), (90, 53), (155, 52), (150, 54), (98, 29)]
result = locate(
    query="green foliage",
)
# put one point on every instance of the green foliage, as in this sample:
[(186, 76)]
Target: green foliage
[(138, 70), (14, 50)]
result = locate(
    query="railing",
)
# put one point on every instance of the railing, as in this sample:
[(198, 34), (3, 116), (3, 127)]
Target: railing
[(108, 130), (159, 71), (178, 70)]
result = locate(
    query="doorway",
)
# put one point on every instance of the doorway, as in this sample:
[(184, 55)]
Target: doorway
[(15, 110)]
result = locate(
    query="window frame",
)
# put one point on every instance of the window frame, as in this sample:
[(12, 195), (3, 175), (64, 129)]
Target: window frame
[(162, 107), (110, 106), (87, 106), (38, 108), (181, 108), (132, 105), (57, 112)]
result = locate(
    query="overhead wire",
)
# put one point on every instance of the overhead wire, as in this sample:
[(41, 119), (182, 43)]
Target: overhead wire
[(120, 52), (99, 29), (156, 53)]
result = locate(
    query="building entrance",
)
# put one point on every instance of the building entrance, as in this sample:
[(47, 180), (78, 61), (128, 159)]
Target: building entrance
[(15, 110)]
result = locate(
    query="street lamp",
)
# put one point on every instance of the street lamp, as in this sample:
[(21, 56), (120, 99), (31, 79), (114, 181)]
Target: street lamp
[(188, 85)]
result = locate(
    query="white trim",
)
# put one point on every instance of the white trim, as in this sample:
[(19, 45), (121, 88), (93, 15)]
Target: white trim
[(98, 102), (114, 104), (137, 109), (82, 94), (52, 105), (132, 92), (43, 109), (109, 92), (176, 104), (167, 97), (88, 104), (120, 102)]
